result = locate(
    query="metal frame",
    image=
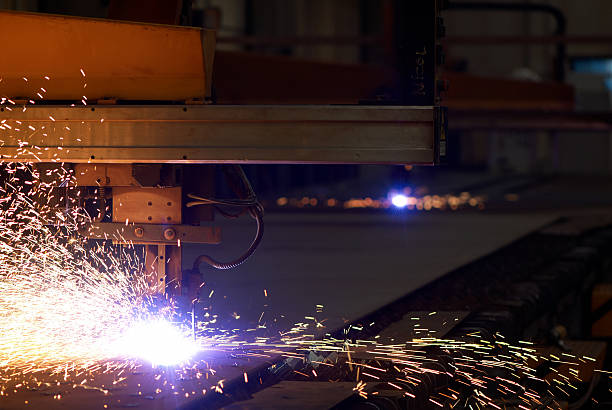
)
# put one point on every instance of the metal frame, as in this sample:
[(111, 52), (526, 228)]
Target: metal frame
[(218, 133)]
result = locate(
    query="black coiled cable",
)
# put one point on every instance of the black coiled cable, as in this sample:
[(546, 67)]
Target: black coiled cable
[(256, 213), (249, 204)]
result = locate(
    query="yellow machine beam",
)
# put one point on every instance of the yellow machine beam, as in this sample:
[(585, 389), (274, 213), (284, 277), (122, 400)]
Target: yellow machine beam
[(121, 60)]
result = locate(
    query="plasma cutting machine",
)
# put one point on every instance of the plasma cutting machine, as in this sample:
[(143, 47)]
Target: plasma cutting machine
[(132, 111)]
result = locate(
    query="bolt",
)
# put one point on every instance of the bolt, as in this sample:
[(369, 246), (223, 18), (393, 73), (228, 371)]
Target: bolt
[(139, 232), (169, 234)]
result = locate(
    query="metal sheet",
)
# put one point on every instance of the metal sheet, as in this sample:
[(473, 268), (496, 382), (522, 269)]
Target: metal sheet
[(352, 263), (287, 395), (208, 134)]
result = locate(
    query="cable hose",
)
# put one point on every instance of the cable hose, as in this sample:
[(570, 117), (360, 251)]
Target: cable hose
[(230, 215), (257, 214)]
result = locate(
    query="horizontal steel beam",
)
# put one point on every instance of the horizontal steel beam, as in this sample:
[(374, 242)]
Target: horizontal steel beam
[(529, 120), (218, 133)]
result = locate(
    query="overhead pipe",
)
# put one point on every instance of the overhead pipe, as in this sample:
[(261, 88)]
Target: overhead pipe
[(556, 13)]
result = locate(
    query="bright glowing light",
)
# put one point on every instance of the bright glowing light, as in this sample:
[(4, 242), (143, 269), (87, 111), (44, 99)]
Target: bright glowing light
[(399, 200), (158, 342), (63, 305)]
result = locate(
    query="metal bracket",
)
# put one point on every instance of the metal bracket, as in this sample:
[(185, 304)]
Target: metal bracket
[(152, 234)]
